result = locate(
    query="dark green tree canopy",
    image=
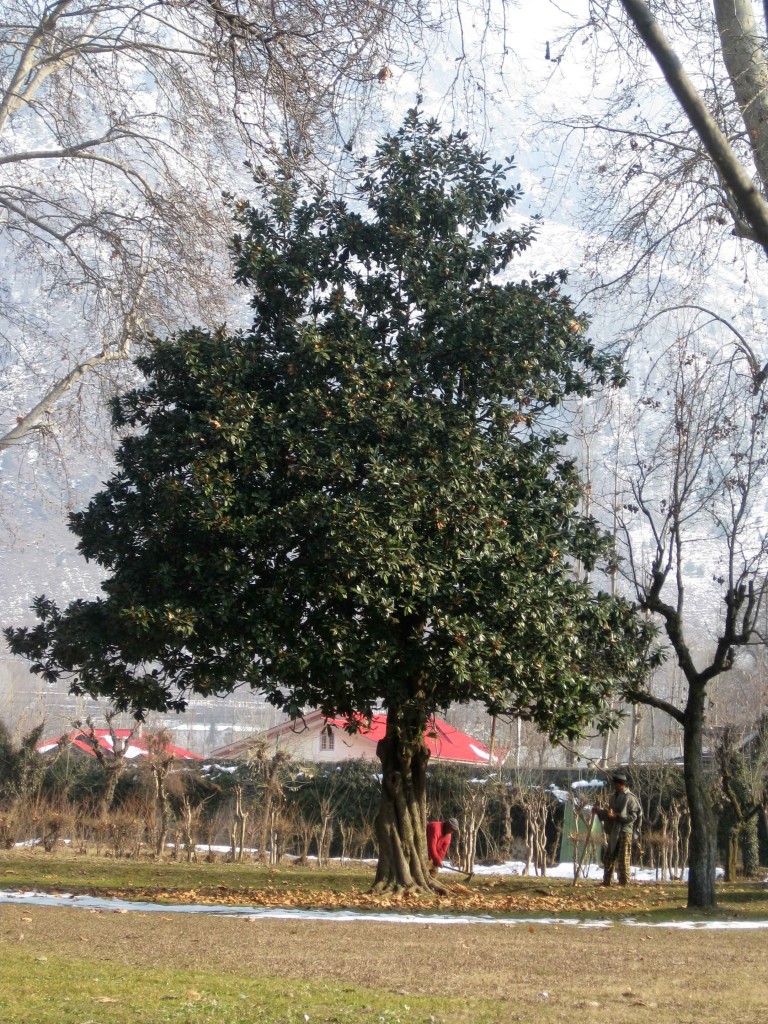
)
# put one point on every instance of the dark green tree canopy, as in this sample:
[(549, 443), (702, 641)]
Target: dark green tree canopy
[(356, 501)]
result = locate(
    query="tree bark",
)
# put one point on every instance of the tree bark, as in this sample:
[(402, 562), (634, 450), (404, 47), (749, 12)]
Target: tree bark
[(34, 419), (702, 857), (401, 822), (752, 207), (748, 71), (159, 772), (763, 828), (739, 819), (750, 848)]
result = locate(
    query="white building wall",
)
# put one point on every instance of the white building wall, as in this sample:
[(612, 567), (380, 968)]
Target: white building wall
[(317, 744)]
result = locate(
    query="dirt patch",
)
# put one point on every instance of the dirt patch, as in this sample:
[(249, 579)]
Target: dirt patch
[(670, 975)]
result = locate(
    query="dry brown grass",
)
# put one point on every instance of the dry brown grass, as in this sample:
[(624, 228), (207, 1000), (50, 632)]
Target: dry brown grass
[(621, 973), (253, 971)]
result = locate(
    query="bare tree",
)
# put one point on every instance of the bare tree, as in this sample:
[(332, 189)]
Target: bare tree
[(112, 758), (696, 489), (272, 801), (474, 806), (736, 142), (121, 124), (671, 157), (536, 803), (674, 173), (743, 781), (160, 757)]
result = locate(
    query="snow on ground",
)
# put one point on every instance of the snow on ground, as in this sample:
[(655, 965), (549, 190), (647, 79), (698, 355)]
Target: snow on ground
[(567, 870), (117, 906), (509, 868)]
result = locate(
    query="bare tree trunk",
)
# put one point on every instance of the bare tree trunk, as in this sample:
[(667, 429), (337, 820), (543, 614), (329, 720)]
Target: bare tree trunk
[(238, 826), (507, 835), (666, 869), (752, 207), (401, 823), (743, 54), (189, 819), (475, 805), (264, 831), (161, 805), (636, 720), (743, 790), (324, 836), (676, 846), (702, 855), (112, 771), (750, 847), (529, 846), (160, 758)]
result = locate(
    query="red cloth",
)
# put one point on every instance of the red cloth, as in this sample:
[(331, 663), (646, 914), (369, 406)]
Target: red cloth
[(438, 840)]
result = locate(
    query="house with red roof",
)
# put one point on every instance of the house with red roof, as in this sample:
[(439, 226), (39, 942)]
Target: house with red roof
[(317, 738), (130, 744)]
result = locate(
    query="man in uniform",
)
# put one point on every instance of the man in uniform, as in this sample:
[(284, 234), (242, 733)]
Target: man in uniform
[(621, 818)]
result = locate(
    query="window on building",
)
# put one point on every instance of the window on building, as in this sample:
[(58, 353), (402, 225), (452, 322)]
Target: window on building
[(327, 738)]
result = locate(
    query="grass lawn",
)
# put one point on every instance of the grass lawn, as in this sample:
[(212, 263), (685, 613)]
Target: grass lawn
[(70, 966), (63, 989), (253, 884)]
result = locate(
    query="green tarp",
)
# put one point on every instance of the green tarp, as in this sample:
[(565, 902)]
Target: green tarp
[(569, 852)]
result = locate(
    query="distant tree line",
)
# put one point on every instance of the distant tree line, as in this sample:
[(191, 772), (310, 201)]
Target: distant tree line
[(272, 808)]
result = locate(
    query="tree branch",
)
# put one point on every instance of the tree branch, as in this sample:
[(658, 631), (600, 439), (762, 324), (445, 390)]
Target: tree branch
[(32, 419), (644, 697), (747, 196)]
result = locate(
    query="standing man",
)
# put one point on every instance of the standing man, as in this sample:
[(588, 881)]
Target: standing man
[(439, 835), (620, 820)]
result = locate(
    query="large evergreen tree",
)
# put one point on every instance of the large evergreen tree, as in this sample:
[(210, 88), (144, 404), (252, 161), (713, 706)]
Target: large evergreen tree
[(357, 502)]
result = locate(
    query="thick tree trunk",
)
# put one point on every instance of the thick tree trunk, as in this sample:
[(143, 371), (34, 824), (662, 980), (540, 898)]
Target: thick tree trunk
[(750, 848), (752, 207), (107, 798), (702, 857), (742, 48), (732, 858), (401, 823), (763, 835)]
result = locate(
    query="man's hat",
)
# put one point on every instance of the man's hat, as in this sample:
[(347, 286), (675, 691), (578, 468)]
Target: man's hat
[(453, 822), (619, 777)]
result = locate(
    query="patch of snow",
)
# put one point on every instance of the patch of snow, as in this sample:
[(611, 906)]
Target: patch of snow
[(31, 898), (484, 754), (561, 795), (131, 751), (566, 870)]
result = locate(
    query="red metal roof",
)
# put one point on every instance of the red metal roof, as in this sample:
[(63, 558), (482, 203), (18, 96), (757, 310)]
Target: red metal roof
[(444, 742), (136, 746)]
